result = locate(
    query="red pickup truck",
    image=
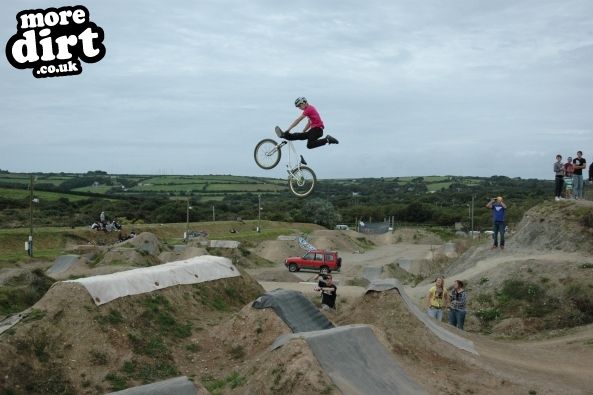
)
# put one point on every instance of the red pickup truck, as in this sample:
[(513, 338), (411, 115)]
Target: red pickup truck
[(319, 260)]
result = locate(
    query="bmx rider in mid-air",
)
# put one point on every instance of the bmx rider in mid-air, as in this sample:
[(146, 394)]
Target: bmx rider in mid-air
[(313, 131)]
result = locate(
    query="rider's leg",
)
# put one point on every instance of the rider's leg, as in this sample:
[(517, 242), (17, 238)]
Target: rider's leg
[(296, 136), (315, 139)]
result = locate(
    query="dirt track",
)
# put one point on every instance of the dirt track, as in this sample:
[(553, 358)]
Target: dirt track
[(560, 365)]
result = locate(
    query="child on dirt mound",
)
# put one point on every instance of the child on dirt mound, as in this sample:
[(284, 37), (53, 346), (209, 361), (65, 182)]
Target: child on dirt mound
[(328, 291)]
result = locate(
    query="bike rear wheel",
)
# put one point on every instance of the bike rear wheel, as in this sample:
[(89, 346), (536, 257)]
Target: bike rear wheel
[(267, 154), (302, 181)]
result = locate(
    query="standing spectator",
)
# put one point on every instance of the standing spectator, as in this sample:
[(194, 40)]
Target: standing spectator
[(328, 292), (568, 170), (437, 299), (458, 303), (577, 179), (591, 173), (559, 172), (498, 213)]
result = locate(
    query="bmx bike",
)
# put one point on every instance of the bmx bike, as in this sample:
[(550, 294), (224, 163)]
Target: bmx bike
[(301, 178)]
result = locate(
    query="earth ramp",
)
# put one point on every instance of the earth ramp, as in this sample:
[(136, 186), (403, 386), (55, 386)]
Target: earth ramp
[(356, 361), (295, 310), (442, 333)]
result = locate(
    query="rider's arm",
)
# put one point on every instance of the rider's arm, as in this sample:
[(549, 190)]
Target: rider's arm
[(307, 126), (296, 122)]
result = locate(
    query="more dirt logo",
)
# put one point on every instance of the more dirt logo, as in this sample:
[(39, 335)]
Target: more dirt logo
[(53, 41)]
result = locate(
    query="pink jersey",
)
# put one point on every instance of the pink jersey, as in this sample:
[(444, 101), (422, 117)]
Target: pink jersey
[(311, 113)]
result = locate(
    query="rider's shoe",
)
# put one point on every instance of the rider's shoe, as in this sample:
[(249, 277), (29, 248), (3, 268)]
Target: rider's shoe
[(279, 132), (331, 140)]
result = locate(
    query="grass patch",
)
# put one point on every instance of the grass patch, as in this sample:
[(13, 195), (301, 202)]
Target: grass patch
[(117, 381), (158, 314), (192, 347), (148, 371), (152, 346), (487, 315), (403, 275), (215, 386), (98, 358), (113, 317), (34, 315), (237, 352), (97, 259), (358, 282), (24, 292)]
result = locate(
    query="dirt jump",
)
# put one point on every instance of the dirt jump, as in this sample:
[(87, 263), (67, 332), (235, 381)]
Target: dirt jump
[(529, 325)]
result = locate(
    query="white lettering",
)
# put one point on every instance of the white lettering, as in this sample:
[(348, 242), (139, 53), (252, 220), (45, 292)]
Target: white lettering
[(72, 66), (87, 37), (43, 69), (78, 16), (47, 50), (31, 21), (63, 43), (51, 19), (64, 14), (63, 68), (25, 49), (51, 68)]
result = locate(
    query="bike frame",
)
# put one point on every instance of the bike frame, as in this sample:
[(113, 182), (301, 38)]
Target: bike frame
[(291, 151), (301, 178)]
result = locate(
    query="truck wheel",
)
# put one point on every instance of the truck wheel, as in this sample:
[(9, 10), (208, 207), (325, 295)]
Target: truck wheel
[(293, 267), (324, 270)]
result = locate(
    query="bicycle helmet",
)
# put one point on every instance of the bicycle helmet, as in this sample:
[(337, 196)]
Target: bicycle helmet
[(299, 101)]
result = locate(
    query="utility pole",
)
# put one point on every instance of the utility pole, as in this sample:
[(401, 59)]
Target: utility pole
[(187, 220), (259, 212), (30, 245), (213, 214), (473, 196)]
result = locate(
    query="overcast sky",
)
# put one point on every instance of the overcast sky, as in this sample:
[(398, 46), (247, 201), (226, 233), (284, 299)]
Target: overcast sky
[(458, 87)]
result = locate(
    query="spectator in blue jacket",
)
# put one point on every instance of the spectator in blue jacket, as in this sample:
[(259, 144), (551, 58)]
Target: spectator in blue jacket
[(498, 216)]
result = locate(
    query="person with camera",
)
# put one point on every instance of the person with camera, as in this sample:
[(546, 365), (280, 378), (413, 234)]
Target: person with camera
[(437, 299), (328, 291), (458, 305), (498, 217), (559, 173)]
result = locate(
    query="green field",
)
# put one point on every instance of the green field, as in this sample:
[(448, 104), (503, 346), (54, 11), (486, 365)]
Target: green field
[(41, 195), (101, 189), (51, 242), (170, 185), (437, 186)]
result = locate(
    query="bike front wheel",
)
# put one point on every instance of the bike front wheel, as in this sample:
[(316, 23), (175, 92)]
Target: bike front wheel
[(302, 181), (267, 154)]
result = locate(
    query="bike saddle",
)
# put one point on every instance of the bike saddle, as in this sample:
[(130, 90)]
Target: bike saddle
[(303, 162)]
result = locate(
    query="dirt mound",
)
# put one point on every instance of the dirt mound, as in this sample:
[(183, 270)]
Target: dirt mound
[(278, 250), (146, 242), (566, 226), (185, 253), (127, 257), (69, 345), (438, 366), (283, 276), (337, 240), (407, 235)]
